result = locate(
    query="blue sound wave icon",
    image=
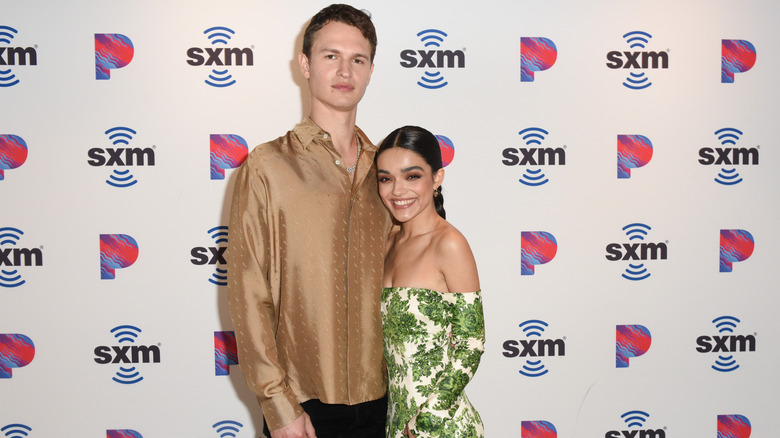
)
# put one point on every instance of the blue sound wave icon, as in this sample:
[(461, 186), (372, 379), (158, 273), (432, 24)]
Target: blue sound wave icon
[(432, 80), (725, 324), (533, 137), (533, 328), (728, 137), (121, 136), (126, 334), (121, 179), (7, 77), (16, 430), (10, 278), (637, 40), (220, 235), (637, 272), (228, 428), (220, 35), (635, 418)]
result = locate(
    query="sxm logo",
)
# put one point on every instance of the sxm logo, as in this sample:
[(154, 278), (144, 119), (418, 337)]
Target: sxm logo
[(734, 426), (228, 151), (123, 433), (13, 153), (636, 253), (533, 157), (16, 430), (630, 341), (112, 51), (537, 429), (225, 352), (433, 59), (633, 152), (728, 156), (121, 156), (636, 428), (213, 255), (227, 428), (536, 54), (11, 56), (736, 56), (726, 343), (536, 248), (13, 257), (127, 356), (16, 351), (534, 348), (117, 251), (637, 60), (219, 57), (735, 246)]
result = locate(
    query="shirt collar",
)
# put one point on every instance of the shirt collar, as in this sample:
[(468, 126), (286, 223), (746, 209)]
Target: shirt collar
[(308, 131)]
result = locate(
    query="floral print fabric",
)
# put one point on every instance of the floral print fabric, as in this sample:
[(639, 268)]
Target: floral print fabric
[(433, 345)]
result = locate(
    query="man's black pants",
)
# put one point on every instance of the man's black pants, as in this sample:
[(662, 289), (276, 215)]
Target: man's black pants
[(364, 420)]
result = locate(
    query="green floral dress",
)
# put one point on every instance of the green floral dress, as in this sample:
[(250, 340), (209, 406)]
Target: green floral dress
[(427, 368)]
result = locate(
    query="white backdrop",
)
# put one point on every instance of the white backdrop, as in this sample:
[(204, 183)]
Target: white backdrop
[(56, 204)]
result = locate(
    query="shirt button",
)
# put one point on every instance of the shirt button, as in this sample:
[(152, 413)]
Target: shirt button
[(325, 136), (338, 163)]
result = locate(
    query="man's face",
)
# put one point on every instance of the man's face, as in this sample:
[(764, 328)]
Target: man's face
[(339, 68)]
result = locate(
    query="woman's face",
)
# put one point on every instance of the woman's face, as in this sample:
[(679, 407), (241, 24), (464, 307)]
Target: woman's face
[(406, 183)]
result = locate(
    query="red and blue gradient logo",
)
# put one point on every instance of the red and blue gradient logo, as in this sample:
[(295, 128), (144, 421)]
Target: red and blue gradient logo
[(633, 152), (228, 151), (735, 246), (536, 248), (16, 351), (736, 56), (112, 51), (630, 341), (537, 429), (123, 433), (13, 153), (225, 352), (536, 54), (117, 251), (447, 150), (733, 426)]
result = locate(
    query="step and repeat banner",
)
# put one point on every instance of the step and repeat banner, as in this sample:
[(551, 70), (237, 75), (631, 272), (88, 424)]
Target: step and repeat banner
[(613, 164)]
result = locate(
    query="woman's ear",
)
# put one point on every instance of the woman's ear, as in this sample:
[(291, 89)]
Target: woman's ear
[(438, 178)]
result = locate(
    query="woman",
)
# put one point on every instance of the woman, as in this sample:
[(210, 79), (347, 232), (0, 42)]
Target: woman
[(432, 319)]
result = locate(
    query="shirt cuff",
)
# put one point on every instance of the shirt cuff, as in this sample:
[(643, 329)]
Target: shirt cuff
[(281, 410)]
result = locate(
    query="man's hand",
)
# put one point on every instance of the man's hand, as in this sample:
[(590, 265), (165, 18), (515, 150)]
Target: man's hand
[(300, 428)]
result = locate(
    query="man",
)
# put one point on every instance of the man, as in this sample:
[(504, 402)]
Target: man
[(307, 241)]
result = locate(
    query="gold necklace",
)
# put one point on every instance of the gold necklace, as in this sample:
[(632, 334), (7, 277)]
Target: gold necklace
[(354, 166)]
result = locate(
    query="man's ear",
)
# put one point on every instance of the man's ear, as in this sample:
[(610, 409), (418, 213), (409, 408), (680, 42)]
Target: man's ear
[(303, 62)]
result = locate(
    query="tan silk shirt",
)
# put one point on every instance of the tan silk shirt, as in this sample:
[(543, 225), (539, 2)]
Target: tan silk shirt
[(305, 256)]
